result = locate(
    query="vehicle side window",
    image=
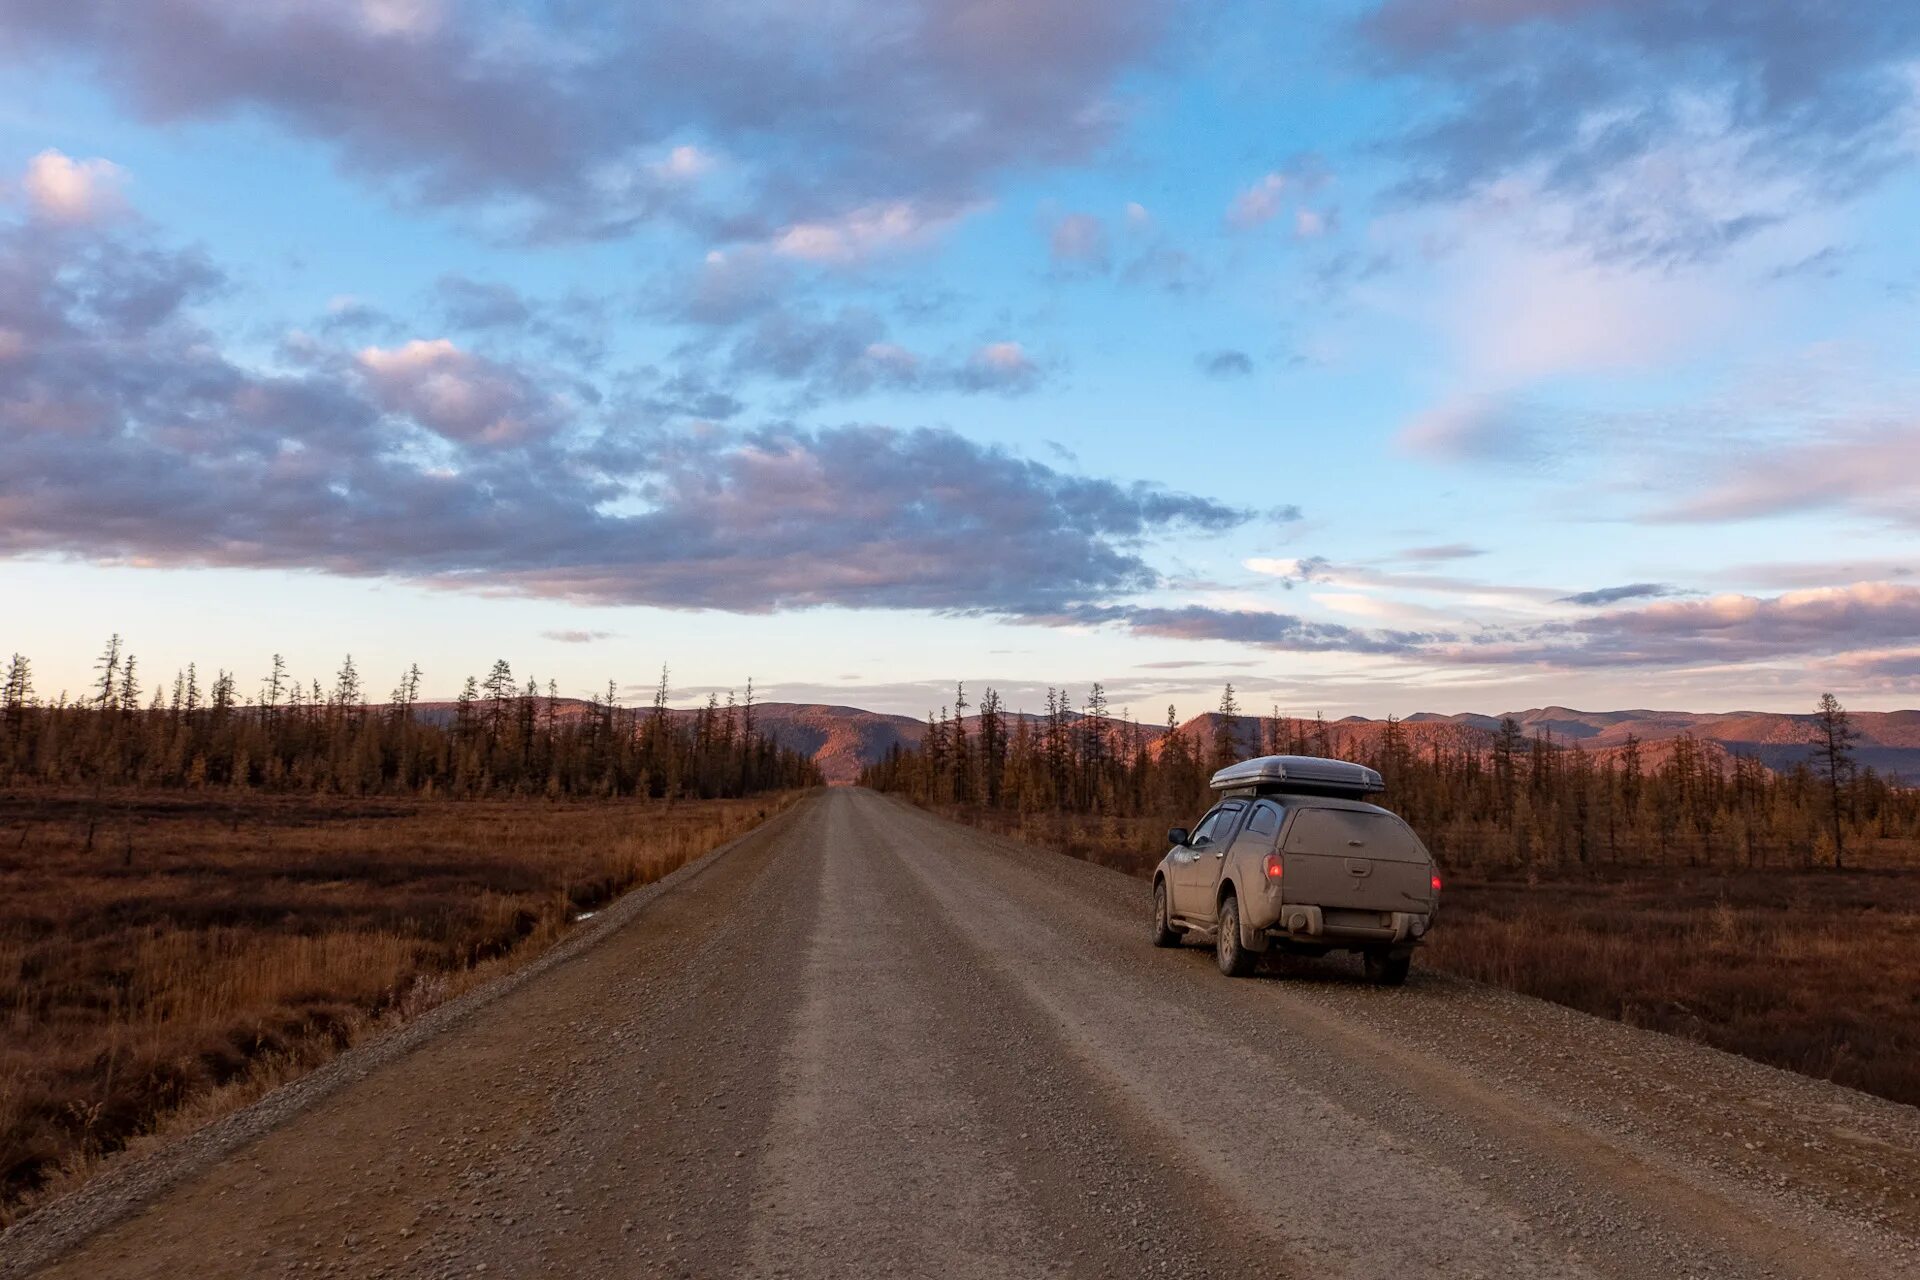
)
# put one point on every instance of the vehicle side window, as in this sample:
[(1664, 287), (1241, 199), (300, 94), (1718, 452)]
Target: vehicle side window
[(1203, 831), (1217, 825), (1265, 821)]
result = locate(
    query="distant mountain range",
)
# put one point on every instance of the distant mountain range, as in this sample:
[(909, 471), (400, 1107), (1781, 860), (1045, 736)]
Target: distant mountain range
[(844, 740)]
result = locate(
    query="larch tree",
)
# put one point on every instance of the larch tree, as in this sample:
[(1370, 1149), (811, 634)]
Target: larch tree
[(109, 668), (1833, 764), (1226, 747)]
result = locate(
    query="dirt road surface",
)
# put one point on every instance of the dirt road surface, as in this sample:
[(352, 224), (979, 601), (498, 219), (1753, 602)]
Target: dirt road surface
[(866, 1042)]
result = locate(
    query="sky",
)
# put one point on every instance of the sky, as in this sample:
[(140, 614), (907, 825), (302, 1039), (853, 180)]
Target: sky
[(1407, 355)]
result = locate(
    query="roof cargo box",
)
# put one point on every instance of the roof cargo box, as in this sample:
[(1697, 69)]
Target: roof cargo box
[(1299, 775)]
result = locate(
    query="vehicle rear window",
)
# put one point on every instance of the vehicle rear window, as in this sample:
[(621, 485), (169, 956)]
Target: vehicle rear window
[(1354, 833)]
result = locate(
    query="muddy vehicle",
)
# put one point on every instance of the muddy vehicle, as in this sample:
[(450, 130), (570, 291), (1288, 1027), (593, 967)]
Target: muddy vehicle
[(1293, 858)]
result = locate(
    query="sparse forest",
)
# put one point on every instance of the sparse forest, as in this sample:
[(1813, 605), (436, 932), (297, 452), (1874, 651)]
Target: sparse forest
[(206, 889), (1490, 800), (500, 738)]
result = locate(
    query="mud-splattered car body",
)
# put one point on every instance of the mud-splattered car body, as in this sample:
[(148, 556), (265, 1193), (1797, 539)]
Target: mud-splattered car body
[(1293, 857)]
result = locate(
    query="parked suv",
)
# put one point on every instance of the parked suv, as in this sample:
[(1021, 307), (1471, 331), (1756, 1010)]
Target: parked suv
[(1293, 858)]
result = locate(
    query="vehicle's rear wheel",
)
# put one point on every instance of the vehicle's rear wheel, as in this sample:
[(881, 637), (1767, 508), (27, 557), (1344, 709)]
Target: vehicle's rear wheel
[(1234, 960), (1386, 968), (1164, 934)]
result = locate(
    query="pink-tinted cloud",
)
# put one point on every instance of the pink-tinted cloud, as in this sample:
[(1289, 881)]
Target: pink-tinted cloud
[(62, 189), (1258, 203), (1078, 241), (1864, 468), (455, 393), (603, 116), (1718, 630), (130, 434)]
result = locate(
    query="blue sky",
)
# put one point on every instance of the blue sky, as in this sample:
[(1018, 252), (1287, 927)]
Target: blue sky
[(1416, 355)]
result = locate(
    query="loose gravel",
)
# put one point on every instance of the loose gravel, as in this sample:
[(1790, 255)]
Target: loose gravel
[(862, 1041)]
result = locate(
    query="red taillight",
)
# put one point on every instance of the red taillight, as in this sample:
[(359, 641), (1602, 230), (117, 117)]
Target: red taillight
[(1273, 866), (1436, 884)]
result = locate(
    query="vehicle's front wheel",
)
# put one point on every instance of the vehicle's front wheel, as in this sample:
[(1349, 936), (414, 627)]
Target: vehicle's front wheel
[(1387, 969), (1164, 934), (1234, 959)]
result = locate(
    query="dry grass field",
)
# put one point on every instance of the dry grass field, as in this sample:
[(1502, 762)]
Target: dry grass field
[(204, 949), (1808, 970), (1811, 970)]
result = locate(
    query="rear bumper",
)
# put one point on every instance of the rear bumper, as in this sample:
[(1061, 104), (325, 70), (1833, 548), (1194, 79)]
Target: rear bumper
[(1315, 924)]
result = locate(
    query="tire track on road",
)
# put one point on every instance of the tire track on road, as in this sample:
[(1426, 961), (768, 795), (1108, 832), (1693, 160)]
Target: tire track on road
[(1506, 1167)]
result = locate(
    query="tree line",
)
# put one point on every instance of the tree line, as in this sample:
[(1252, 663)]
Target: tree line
[(500, 737), (1508, 798)]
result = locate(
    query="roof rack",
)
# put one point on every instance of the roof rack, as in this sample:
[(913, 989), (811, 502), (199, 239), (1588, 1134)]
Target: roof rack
[(1305, 775)]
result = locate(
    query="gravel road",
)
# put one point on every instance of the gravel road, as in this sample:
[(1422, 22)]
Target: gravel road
[(866, 1042)]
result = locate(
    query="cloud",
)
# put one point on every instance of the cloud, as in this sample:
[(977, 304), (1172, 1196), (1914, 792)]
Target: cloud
[(1820, 430), (131, 435), (1323, 572), (1614, 595), (999, 366), (845, 354), (1079, 242), (1257, 627), (402, 17), (1182, 664), (576, 637), (91, 318), (1735, 627), (1788, 574), (1719, 630), (479, 304), (455, 393), (572, 329), (850, 353), (1823, 264), (1442, 551), (1294, 572), (61, 189), (1518, 305), (1850, 466), (1880, 665), (347, 315), (729, 286), (683, 394), (684, 163), (863, 233), (1258, 203), (1479, 428), (591, 117), (1225, 364), (1600, 101), (1165, 267)]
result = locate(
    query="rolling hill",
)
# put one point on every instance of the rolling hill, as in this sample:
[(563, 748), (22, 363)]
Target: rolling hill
[(842, 740)]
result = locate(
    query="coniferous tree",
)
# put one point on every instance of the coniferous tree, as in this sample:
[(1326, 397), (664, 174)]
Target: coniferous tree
[(1493, 798), (1833, 764), (19, 687), (1226, 748), (109, 668), (272, 690)]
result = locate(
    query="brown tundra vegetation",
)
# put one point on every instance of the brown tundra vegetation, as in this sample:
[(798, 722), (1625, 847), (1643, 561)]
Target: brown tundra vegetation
[(211, 890), (209, 946), (1771, 913)]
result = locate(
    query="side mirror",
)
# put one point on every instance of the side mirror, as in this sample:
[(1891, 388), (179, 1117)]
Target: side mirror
[(1177, 836)]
